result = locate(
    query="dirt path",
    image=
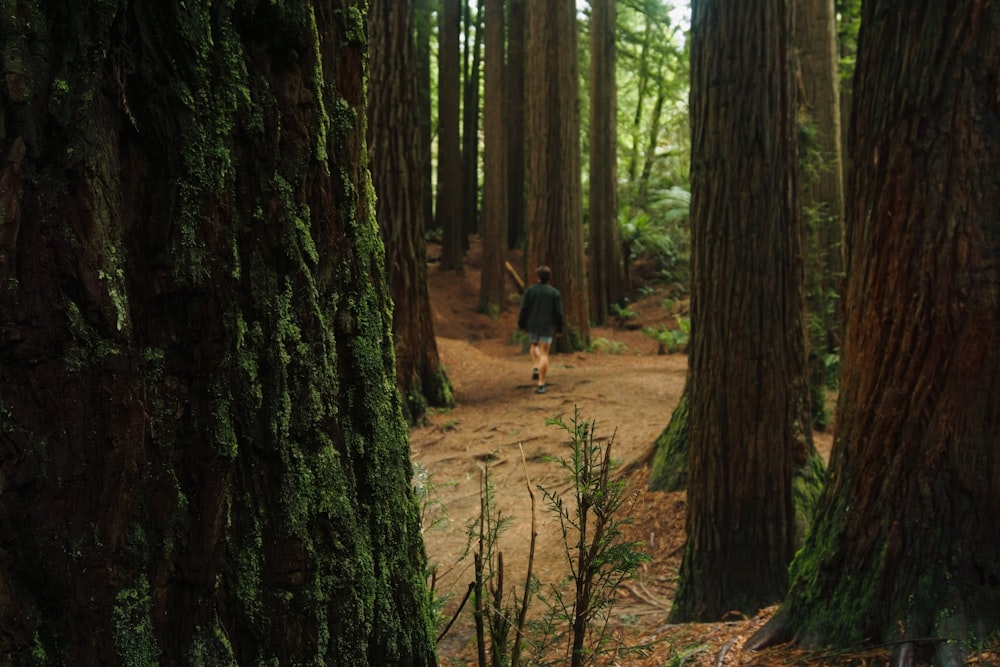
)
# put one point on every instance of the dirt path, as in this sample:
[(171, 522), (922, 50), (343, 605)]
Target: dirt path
[(629, 395), (629, 391)]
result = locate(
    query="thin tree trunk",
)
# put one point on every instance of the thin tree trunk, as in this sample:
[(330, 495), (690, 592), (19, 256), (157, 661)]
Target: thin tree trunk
[(422, 33), (515, 130), (492, 297), (649, 157), (822, 186), (470, 122), (449, 186), (816, 40), (636, 130)]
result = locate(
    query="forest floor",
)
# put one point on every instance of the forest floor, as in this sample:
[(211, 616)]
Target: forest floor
[(629, 391)]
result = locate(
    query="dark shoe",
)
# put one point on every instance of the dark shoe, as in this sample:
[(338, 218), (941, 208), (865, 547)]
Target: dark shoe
[(534, 373), (540, 389)]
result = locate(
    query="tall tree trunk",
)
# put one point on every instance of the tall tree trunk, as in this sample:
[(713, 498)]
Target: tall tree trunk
[(904, 550), (555, 236), (822, 185), (848, 13), (470, 122), (449, 185), (516, 120), (394, 150), (652, 143), (607, 273), (816, 45), (193, 306), (640, 105), (423, 27), (492, 292), (747, 355)]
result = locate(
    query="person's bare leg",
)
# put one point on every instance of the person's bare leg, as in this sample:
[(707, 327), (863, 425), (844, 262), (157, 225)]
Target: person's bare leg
[(535, 354), (543, 362)]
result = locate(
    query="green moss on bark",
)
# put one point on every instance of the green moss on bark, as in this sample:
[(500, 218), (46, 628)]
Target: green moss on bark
[(234, 277), (822, 619), (669, 469), (808, 481), (133, 626)]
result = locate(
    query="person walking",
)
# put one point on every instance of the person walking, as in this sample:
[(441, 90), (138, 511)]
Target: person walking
[(541, 317)]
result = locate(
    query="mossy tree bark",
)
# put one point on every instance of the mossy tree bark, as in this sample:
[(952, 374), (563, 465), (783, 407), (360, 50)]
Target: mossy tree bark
[(904, 548), (669, 468), (555, 193), (394, 148), (670, 452), (203, 458), (748, 411)]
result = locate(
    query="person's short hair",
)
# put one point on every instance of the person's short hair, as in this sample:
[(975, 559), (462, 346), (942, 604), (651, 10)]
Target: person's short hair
[(544, 273)]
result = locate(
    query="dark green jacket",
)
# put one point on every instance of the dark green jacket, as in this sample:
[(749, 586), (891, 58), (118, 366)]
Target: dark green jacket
[(541, 310)]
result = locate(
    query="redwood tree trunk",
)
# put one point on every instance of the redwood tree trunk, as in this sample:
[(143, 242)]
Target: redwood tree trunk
[(747, 356), (423, 27), (449, 185), (904, 550), (470, 120), (555, 236), (607, 273), (394, 148), (492, 292), (515, 124), (193, 307)]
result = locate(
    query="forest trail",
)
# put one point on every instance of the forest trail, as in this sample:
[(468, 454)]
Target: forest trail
[(628, 391)]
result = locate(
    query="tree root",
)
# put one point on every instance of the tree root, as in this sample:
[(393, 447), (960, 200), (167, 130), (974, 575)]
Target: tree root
[(943, 641), (643, 594), (722, 654), (904, 655), (946, 645), (775, 631), (948, 653)]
